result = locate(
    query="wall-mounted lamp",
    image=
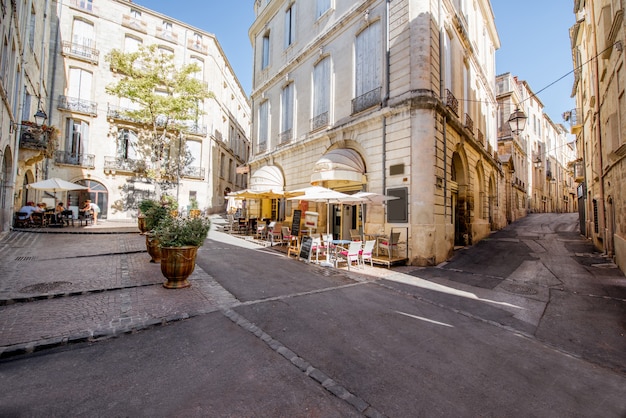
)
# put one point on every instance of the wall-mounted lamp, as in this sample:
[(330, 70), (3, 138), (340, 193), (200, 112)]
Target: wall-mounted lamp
[(40, 118), (517, 121), (537, 163)]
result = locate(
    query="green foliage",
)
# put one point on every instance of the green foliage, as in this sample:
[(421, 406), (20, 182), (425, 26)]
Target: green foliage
[(193, 204), (178, 232), (147, 204), (169, 201), (168, 100), (154, 212)]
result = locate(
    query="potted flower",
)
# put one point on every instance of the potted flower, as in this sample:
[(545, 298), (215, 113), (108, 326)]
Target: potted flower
[(144, 206), (179, 239), (153, 214)]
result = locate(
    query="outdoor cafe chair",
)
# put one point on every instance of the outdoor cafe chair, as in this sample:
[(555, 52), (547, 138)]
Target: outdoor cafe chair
[(21, 220), (366, 252), (275, 233), (67, 217), (287, 237), (350, 254), (39, 219), (390, 246)]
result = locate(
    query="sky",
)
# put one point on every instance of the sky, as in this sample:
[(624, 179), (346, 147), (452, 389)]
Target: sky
[(534, 38)]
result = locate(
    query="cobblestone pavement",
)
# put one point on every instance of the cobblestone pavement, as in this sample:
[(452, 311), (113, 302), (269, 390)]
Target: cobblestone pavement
[(57, 288)]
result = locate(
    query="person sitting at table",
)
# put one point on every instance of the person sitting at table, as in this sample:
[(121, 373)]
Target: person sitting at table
[(58, 211), (28, 209), (41, 207)]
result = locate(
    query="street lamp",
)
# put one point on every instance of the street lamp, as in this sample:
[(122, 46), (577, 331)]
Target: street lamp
[(517, 121), (538, 163), (40, 118)]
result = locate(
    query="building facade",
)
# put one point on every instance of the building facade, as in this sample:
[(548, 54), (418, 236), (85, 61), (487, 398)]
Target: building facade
[(96, 145), (393, 97), (536, 161), (599, 123), (24, 61)]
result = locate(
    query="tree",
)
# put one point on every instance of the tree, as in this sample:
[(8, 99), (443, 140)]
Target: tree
[(166, 101)]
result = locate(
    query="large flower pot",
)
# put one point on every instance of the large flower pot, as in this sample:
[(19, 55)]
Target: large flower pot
[(177, 264), (141, 224), (154, 248)]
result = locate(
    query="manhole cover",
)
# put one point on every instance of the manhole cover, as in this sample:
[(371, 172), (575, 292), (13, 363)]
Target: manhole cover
[(44, 287), (518, 289)]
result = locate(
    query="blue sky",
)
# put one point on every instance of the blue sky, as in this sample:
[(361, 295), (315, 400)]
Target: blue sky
[(533, 34)]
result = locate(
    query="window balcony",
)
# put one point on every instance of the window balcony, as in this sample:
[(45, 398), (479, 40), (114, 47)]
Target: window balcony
[(134, 23), (452, 103), (469, 124), (125, 165), (286, 136), (81, 52), (74, 104), (192, 172), (75, 159), (320, 121), (119, 113), (367, 100)]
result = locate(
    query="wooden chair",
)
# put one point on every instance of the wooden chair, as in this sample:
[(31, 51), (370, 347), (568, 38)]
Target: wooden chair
[(39, 219), (275, 234), (389, 246), (366, 252), (287, 237), (21, 220), (355, 235)]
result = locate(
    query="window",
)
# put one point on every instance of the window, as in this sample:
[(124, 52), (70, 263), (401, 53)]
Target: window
[(199, 75), (287, 113), (86, 4), (135, 14), (322, 7), (397, 209), (80, 84), (290, 25), (197, 40), (131, 44), (263, 125), (167, 29), (194, 153), (368, 64), (82, 37), (265, 59), (321, 93), (76, 138), (127, 145), (31, 29)]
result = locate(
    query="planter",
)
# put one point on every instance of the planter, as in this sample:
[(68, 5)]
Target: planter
[(194, 213), (154, 248), (177, 264), (141, 224)]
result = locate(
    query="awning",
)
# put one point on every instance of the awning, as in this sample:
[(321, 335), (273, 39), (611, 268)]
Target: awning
[(266, 178), (340, 164)]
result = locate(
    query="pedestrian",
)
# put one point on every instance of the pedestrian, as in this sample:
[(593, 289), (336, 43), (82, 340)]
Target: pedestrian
[(93, 209)]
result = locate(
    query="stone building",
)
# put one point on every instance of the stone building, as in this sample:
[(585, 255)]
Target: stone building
[(97, 144), (393, 97), (598, 121), (25, 30)]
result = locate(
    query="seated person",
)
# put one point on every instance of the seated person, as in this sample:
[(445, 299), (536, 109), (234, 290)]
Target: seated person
[(58, 212), (29, 208)]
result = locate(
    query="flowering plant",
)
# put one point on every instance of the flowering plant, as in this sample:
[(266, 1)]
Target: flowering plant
[(179, 232)]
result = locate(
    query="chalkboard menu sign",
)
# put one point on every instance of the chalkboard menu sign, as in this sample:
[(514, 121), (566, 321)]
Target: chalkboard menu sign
[(305, 248), (295, 225)]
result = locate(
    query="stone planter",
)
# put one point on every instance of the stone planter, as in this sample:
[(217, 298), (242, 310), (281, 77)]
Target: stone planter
[(177, 264), (141, 224)]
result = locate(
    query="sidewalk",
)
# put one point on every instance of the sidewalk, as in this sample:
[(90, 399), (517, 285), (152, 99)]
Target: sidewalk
[(74, 284)]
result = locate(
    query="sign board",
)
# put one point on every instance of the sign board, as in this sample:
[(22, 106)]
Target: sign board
[(295, 225), (310, 220), (243, 169), (305, 248)]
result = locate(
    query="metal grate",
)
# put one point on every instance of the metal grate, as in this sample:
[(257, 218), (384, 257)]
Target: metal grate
[(24, 258)]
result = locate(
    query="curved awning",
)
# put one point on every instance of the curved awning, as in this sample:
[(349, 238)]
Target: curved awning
[(339, 165), (267, 178)]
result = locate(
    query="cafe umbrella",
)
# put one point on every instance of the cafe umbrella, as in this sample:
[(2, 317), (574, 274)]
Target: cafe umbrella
[(55, 185)]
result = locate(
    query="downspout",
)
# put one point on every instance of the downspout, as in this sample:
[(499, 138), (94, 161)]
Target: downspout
[(386, 99), (46, 30), (445, 118)]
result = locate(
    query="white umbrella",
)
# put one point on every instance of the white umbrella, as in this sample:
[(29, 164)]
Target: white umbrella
[(324, 195), (375, 198), (55, 185)]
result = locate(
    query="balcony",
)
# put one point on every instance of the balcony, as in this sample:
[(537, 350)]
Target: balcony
[(81, 52), (167, 35), (74, 159), (320, 121), (134, 23), (469, 124), (74, 104), (194, 129), (119, 113), (192, 172), (481, 137), (367, 100), (452, 103), (126, 165), (286, 136)]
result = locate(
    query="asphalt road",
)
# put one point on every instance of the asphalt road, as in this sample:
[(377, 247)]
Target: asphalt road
[(529, 322)]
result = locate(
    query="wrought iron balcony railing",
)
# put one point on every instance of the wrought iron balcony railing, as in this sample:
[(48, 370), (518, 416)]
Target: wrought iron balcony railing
[(73, 158), (320, 121), (452, 103), (367, 100), (81, 52), (78, 105), (125, 164)]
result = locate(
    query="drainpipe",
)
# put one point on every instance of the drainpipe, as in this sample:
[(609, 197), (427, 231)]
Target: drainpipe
[(386, 100), (46, 30), (445, 117)]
